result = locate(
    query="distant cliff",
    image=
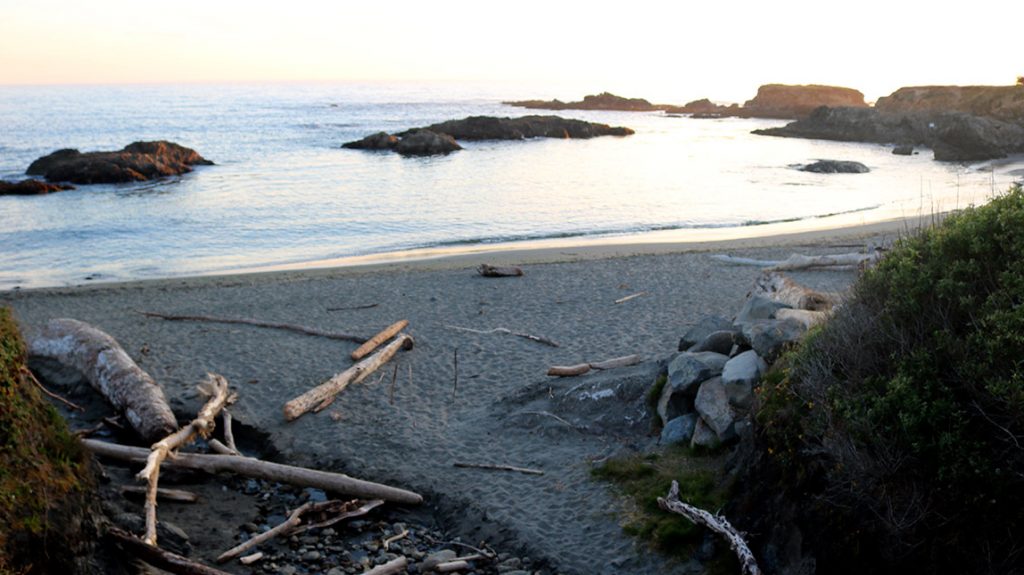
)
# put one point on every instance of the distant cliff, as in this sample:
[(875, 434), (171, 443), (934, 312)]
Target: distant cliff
[(999, 102), (786, 101)]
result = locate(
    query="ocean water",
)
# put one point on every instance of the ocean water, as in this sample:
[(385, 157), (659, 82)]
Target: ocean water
[(284, 192)]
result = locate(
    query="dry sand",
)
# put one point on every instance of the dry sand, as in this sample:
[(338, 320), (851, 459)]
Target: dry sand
[(563, 517)]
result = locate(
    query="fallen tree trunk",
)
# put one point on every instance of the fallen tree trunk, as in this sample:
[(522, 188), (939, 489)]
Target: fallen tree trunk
[(259, 323), (716, 523), (326, 391), (375, 341), (258, 469), (109, 369)]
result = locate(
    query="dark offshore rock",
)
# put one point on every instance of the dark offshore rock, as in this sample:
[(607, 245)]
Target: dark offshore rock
[(525, 127), (835, 167), (426, 142), (378, 141), (903, 150), (136, 162), (954, 136), (602, 101), (30, 188)]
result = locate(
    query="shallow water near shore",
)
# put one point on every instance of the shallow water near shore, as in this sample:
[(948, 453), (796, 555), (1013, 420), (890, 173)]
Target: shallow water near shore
[(284, 193)]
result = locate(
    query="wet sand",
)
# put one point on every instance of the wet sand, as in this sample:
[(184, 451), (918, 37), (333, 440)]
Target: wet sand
[(410, 433)]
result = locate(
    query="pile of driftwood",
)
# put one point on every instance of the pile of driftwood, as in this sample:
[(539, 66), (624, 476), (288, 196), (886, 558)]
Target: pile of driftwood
[(134, 394)]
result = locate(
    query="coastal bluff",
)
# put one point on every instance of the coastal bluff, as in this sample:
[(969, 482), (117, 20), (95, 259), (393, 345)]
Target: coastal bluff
[(441, 138), (999, 102), (136, 162)]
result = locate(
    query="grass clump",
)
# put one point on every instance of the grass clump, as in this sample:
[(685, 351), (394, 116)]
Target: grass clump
[(42, 467), (645, 477), (898, 428)]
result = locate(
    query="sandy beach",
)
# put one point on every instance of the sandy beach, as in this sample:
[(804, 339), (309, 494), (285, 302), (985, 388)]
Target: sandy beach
[(410, 434)]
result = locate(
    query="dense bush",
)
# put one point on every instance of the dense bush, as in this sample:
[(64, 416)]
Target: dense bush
[(893, 439)]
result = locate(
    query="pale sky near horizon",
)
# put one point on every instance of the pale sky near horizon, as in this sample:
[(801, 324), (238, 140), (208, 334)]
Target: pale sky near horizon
[(668, 52)]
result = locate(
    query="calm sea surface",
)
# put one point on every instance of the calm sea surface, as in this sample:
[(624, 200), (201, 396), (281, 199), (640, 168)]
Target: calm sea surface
[(284, 192)]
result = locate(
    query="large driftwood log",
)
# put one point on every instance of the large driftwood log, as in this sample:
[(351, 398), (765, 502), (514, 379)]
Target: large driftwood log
[(216, 388), (109, 369), (801, 262), (376, 341), (332, 387), (780, 288), (716, 523), (158, 557), (259, 323), (255, 468)]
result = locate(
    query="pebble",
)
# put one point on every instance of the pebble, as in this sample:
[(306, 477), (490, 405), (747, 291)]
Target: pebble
[(311, 556)]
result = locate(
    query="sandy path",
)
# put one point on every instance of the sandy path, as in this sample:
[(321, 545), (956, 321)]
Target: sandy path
[(562, 516)]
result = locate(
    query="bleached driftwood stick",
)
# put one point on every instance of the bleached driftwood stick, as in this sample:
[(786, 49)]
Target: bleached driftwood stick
[(489, 271), (780, 288), (216, 388), (716, 523), (525, 470), (801, 262), (394, 566), (536, 338), (582, 368), (629, 297), (258, 323), (394, 538), (294, 518), (375, 341), (218, 447), (229, 433), (170, 562), (250, 559), (258, 469), (342, 510), (176, 495), (332, 387), (109, 370)]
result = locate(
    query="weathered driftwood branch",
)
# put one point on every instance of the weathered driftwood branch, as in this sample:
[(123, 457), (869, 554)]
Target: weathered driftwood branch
[(170, 562), (497, 467), (250, 559), (801, 262), (229, 433), (259, 323), (489, 271), (354, 307), (217, 447), (110, 371), (255, 468), (780, 288), (332, 387), (536, 338), (293, 521), (394, 566), (629, 297), (386, 544), (32, 377), (716, 523), (216, 388), (176, 495), (375, 341), (582, 368), (338, 511)]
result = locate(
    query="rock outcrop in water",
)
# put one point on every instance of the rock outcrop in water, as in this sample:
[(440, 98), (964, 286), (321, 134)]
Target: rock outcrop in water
[(441, 138), (602, 101), (835, 167), (136, 162), (30, 188), (1000, 102), (954, 136)]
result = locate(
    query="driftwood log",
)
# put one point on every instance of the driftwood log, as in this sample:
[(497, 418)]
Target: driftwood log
[(109, 369), (780, 288), (582, 368), (376, 341), (293, 521), (489, 271), (170, 562), (258, 469), (716, 523), (326, 391), (853, 260)]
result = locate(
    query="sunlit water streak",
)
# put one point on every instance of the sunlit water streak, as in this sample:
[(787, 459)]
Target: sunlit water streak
[(284, 192)]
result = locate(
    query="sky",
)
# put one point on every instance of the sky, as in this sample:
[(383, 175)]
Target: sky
[(667, 52)]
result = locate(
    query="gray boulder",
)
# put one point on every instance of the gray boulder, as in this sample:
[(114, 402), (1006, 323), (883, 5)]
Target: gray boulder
[(712, 403), (685, 372), (769, 336), (758, 308), (704, 327), (835, 167), (704, 436), (717, 341), (679, 430), (740, 376)]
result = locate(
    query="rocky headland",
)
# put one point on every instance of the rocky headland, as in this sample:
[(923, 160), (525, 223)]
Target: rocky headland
[(603, 101), (441, 138), (136, 162)]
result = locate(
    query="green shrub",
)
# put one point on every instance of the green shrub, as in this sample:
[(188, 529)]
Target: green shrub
[(898, 428)]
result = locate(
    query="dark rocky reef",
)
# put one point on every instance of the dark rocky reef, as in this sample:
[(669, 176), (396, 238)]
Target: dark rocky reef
[(30, 188), (835, 167), (602, 101), (954, 136), (136, 162), (441, 138)]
